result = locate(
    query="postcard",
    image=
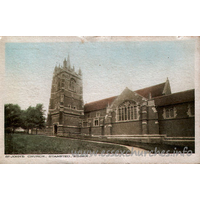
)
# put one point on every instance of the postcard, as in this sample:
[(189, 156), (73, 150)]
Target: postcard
[(99, 100)]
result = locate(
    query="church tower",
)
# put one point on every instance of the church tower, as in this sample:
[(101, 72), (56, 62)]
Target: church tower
[(66, 101)]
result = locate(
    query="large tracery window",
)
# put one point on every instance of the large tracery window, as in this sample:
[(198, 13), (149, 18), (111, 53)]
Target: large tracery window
[(127, 111)]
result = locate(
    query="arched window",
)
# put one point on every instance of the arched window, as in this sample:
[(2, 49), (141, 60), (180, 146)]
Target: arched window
[(135, 112), (131, 112), (127, 111), (120, 114), (72, 84)]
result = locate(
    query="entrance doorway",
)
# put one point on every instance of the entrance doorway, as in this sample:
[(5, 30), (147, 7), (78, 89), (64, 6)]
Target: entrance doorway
[(55, 129)]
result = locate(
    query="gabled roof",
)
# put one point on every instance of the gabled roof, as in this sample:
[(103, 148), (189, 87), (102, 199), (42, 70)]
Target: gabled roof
[(156, 90), (99, 105), (179, 97)]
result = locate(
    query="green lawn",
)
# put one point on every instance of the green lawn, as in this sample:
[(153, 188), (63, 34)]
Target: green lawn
[(152, 147), (39, 144)]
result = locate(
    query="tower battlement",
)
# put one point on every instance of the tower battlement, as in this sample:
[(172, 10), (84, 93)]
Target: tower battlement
[(66, 67)]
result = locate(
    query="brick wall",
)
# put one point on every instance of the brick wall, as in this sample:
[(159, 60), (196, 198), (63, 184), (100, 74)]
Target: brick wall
[(127, 128), (71, 120), (96, 131), (180, 126)]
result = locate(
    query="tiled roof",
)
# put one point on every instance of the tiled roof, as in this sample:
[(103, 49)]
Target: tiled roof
[(180, 97), (99, 105), (155, 91)]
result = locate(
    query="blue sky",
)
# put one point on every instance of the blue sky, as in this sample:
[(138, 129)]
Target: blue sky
[(108, 67)]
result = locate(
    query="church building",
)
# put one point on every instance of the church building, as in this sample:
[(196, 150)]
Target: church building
[(152, 114)]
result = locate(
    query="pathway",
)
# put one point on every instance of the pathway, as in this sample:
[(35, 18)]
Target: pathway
[(130, 148)]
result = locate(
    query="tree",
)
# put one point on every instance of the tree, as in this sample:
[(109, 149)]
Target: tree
[(33, 117), (30, 118), (12, 116), (24, 124), (39, 117)]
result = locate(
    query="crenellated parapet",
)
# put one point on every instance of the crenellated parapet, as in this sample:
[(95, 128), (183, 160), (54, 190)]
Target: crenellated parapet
[(66, 67)]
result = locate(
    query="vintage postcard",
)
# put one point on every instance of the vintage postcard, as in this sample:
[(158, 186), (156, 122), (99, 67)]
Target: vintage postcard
[(99, 99)]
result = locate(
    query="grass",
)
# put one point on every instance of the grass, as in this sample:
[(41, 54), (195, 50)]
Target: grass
[(147, 146), (39, 144)]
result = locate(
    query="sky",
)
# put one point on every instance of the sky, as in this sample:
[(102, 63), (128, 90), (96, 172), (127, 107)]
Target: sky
[(107, 67)]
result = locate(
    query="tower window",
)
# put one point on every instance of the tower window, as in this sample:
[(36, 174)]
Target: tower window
[(72, 84), (96, 122)]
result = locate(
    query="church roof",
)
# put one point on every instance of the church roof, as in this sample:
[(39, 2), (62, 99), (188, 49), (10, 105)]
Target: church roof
[(156, 90), (98, 105), (179, 97)]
